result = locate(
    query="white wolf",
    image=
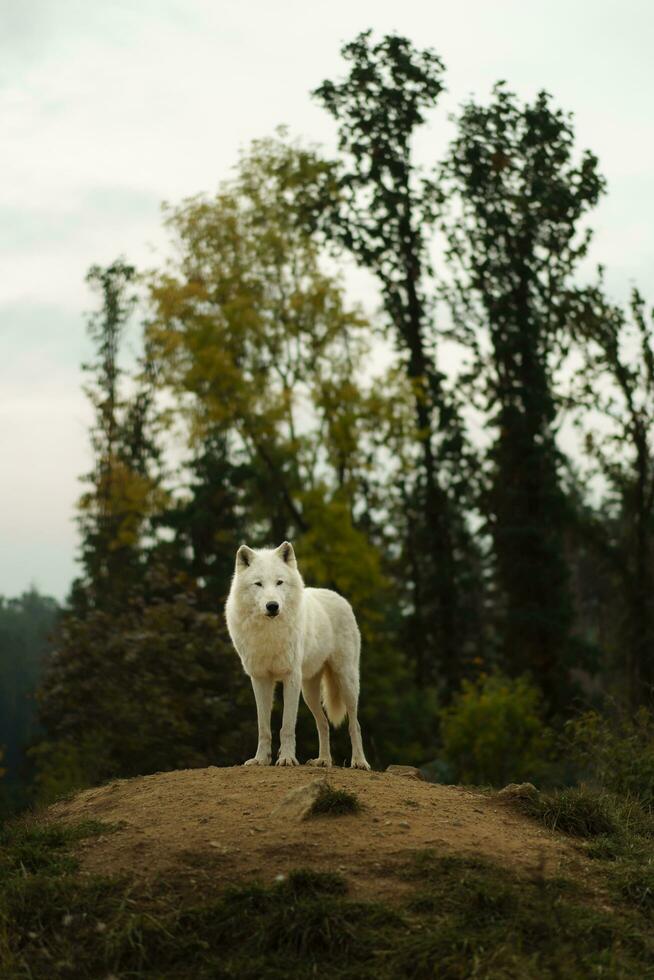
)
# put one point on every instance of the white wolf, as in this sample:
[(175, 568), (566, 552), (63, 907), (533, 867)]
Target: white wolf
[(305, 638)]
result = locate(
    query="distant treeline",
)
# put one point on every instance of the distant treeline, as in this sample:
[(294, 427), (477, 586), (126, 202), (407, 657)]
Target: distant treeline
[(25, 626), (438, 499)]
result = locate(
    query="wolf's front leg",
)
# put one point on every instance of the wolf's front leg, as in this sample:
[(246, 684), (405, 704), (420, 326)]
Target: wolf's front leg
[(292, 684), (263, 688)]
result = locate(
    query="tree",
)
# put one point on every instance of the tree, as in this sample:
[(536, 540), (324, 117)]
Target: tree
[(251, 344), (153, 686), (383, 215), (90, 686), (616, 386), (207, 517), (257, 340), (25, 624), (124, 482), (514, 237)]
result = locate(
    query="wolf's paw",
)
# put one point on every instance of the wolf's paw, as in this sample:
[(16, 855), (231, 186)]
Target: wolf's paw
[(287, 760), (326, 763), (359, 764), (258, 762)]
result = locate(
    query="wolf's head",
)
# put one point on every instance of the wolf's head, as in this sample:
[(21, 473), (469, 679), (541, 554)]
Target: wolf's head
[(268, 580)]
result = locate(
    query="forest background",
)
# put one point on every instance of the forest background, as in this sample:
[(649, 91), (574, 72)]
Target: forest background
[(471, 464)]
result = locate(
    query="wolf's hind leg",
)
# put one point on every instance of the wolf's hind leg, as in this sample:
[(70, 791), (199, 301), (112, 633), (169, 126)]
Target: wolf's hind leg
[(349, 685), (311, 695), (263, 689)]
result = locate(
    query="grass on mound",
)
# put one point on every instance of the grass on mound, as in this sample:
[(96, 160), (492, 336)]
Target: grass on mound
[(334, 802), (461, 918), (578, 812), (29, 847), (617, 832), (586, 813)]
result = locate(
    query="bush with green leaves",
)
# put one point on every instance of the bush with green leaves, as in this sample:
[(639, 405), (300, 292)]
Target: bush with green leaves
[(493, 732), (617, 753), (154, 687)]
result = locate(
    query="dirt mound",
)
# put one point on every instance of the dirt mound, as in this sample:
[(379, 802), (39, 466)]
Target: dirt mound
[(216, 827)]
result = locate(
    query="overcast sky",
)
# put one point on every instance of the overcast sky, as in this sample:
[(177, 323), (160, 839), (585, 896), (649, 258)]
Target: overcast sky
[(108, 107)]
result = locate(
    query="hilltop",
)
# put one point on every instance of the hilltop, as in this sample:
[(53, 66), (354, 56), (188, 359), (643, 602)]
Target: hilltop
[(217, 826)]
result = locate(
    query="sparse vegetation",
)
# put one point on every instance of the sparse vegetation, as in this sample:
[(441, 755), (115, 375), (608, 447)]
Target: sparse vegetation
[(304, 882), (587, 813), (477, 913), (334, 802), (619, 833), (460, 912), (578, 812), (617, 753), (30, 847)]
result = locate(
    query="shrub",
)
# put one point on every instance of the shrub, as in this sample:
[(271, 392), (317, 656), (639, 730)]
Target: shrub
[(617, 753), (333, 802), (578, 812), (492, 733), (154, 687)]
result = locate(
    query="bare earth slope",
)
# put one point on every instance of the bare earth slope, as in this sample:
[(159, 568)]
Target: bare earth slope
[(213, 827)]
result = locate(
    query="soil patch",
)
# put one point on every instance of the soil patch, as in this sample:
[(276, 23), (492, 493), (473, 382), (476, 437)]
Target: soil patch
[(213, 827)]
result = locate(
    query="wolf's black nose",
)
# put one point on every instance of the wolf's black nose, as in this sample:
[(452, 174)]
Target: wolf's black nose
[(272, 608)]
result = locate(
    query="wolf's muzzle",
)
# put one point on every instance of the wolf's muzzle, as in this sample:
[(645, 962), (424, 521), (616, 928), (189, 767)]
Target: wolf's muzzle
[(272, 608)]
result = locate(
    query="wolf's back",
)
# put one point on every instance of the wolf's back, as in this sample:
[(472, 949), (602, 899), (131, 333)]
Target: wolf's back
[(333, 631)]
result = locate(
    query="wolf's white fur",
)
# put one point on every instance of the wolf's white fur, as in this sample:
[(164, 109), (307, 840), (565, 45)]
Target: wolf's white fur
[(312, 644)]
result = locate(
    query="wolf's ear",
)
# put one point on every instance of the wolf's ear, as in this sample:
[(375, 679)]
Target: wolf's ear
[(286, 553), (244, 556)]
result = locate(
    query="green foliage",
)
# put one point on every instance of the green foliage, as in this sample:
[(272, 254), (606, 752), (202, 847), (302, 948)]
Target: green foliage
[(156, 687), (332, 802), (514, 235), (208, 521), (578, 811), (614, 396), (383, 215), (617, 753), (256, 340), (25, 625), (124, 486), (51, 922), (66, 764), (493, 732), (27, 846), (54, 924)]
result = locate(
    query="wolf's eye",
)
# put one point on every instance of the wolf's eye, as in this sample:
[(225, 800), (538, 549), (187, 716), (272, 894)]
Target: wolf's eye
[(280, 581), (260, 584)]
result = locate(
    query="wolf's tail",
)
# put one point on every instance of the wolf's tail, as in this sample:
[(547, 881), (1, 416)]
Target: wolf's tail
[(332, 698)]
